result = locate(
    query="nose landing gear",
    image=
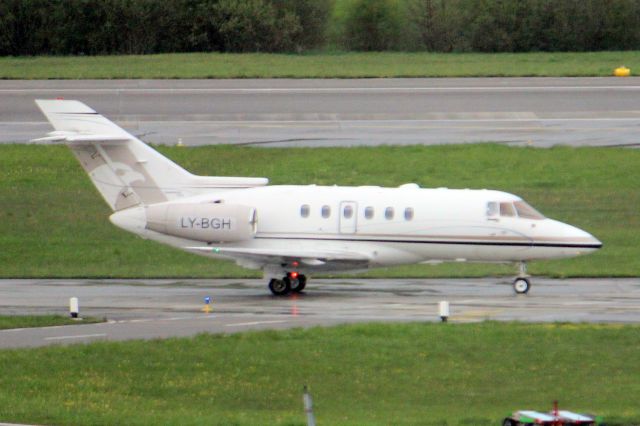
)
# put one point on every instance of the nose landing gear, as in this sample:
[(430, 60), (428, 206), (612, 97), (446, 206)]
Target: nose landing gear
[(290, 282), (522, 284)]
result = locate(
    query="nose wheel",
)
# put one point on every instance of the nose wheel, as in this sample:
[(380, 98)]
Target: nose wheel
[(522, 283), (289, 283)]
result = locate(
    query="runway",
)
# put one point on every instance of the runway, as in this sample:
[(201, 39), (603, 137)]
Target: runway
[(520, 111), (147, 309)]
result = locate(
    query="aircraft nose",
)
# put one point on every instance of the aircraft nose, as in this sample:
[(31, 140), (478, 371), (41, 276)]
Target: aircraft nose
[(580, 239), (597, 244), (591, 243), (557, 240)]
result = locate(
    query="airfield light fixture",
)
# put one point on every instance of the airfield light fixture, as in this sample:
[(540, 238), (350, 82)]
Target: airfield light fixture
[(443, 308), (74, 307)]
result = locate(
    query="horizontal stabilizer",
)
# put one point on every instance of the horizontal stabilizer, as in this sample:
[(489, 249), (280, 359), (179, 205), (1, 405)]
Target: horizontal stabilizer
[(76, 117), (75, 137)]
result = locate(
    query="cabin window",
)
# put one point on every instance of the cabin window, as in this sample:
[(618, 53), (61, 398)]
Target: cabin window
[(368, 212), (506, 209), (408, 213), (492, 209), (526, 211), (347, 212), (326, 211), (388, 213), (304, 210)]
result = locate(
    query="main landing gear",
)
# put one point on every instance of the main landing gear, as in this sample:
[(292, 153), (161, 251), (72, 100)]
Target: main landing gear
[(522, 284), (292, 282)]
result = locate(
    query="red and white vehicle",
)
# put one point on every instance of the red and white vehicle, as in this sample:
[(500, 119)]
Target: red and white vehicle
[(554, 418)]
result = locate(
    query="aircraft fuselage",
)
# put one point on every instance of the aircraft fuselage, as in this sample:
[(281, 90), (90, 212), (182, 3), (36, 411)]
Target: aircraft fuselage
[(393, 226)]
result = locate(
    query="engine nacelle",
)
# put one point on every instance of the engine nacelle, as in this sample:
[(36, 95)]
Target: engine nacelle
[(204, 222)]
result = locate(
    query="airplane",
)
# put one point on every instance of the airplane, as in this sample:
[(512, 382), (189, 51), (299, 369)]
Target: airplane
[(292, 231)]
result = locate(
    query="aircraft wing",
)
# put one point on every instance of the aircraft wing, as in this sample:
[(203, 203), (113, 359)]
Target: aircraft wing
[(279, 255)]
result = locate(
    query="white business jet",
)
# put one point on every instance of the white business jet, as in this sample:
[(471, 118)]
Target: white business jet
[(291, 231)]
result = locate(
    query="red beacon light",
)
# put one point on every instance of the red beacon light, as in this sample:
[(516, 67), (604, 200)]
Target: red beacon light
[(293, 275)]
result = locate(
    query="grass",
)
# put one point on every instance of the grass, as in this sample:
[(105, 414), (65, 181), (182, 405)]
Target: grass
[(401, 374), (25, 321), (53, 223), (318, 65)]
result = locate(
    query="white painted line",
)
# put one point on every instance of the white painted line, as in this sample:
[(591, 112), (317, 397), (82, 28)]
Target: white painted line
[(203, 315), (143, 320), (242, 324), (325, 89), (48, 327), (506, 120), (532, 117), (262, 123), (80, 336), (359, 122)]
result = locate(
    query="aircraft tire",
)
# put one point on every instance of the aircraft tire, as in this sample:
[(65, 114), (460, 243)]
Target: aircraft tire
[(302, 283), (295, 283), (521, 285), (280, 287)]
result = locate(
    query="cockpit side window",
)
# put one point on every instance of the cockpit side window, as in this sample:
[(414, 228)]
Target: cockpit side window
[(492, 209), (526, 211), (507, 210)]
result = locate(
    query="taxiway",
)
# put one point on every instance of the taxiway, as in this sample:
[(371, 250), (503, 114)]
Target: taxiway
[(146, 309)]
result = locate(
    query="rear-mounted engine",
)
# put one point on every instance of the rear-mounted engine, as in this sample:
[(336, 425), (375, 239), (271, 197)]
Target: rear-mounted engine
[(204, 222)]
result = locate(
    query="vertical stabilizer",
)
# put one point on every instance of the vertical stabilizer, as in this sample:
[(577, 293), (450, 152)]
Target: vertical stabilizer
[(125, 170)]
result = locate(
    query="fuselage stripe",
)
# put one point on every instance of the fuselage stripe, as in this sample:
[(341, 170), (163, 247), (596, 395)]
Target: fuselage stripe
[(441, 242)]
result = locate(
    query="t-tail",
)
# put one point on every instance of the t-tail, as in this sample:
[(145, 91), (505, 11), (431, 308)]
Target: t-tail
[(126, 171)]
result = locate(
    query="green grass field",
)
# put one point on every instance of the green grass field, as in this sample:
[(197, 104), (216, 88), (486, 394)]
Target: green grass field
[(401, 374), (318, 65), (53, 223), (24, 321)]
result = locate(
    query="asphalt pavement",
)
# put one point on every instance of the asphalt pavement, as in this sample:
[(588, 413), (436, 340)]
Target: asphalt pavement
[(283, 112), (148, 309)]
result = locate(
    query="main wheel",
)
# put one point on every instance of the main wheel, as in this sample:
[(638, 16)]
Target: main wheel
[(297, 284), (280, 287), (302, 283), (521, 285)]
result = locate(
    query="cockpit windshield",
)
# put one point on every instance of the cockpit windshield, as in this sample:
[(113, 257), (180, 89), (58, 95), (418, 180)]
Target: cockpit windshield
[(507, 210), (513, 209), (526, 211)]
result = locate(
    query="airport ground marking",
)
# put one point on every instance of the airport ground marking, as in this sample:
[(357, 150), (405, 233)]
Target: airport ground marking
[(329, 89), (242, 324), (79, 336)]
